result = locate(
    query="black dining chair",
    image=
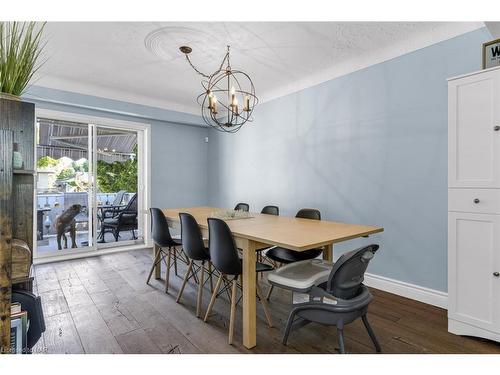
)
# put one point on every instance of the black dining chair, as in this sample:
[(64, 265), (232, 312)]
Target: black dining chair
[(270, 210), (167, 245), (280, 255), (267, 210), (195, 250), (242, 207), (224, 256)]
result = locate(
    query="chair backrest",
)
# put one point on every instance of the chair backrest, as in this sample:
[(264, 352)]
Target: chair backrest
[(159, 228), (348, 272), (119, 198), (131, 205), (223, 250), (309, 213), (270, 210), (242, 207), (192, 239)]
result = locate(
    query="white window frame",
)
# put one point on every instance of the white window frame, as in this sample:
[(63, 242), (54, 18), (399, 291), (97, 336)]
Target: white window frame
[(143, 183)]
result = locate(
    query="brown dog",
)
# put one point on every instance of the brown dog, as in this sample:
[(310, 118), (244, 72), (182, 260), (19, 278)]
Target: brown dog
[(66, 223)]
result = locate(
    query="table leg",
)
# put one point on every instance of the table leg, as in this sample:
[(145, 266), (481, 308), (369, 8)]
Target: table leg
[(328, 253), (158, 265), (249, 300)]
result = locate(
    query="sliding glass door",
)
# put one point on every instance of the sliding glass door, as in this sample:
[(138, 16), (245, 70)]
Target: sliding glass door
[(117, 177), (90, 188)]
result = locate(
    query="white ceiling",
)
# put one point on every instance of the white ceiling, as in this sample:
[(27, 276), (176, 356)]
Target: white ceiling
[(112, 59)]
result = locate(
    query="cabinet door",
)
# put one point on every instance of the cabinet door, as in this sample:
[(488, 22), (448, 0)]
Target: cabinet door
[(473, 143), (473, 259)]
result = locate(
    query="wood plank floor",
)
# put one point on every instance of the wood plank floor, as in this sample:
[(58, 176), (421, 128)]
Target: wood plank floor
[(103, 305)]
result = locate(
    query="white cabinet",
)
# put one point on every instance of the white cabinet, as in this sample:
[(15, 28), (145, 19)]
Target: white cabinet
[(474, 204), (474, 131)]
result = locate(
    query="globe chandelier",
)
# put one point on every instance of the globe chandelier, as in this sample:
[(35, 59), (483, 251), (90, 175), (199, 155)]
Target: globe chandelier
[(228, 98)]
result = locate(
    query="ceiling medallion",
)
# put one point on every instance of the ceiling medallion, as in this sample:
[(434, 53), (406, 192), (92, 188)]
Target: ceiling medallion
[(223, 91)]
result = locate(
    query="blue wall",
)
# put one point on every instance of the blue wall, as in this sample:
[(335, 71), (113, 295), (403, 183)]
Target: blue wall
[(178, 152), (369, 147)]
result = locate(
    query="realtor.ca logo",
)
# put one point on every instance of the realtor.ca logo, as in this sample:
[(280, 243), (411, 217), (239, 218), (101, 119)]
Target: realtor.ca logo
[(495, 51)]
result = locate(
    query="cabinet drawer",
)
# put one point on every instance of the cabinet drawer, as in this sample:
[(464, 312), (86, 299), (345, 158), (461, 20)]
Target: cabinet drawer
[(474, 200)]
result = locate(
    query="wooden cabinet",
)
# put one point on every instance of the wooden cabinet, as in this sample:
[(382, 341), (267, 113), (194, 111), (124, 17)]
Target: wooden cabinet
[(17, 125), (474, 205)]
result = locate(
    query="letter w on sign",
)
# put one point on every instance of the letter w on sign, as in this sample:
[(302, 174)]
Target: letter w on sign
[(495, 51)]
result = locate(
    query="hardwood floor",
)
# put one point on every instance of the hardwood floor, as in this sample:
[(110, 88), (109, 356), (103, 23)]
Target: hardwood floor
[(103, 305)]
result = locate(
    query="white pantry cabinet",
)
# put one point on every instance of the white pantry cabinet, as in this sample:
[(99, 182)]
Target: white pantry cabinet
[(474, 204)]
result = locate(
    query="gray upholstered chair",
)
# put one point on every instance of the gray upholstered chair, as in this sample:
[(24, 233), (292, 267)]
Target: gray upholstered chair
[(326, 294)]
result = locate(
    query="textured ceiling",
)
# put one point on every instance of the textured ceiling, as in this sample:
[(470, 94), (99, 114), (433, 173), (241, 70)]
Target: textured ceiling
[(140, 62)]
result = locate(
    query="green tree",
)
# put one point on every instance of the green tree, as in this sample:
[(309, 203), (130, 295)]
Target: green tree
[(66, 174), (46, 162), (116, 176)]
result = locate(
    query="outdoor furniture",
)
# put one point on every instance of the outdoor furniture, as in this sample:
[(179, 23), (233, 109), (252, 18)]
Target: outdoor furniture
[(39, 222), (111, 210), (125, 220)]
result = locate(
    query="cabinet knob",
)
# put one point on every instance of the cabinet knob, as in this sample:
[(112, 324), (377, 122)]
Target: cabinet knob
[(496, 128), (496, 274), (476, 201)]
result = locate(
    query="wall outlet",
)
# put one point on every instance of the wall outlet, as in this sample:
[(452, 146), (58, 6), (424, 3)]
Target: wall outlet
[(206, 139)]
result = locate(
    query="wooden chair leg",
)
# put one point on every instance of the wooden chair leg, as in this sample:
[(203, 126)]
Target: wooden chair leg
[(175, 261), (211, 278), (233, 311), (214, 295), (190, 268), (264, 305), (200, 291), (268, 296), (155, 262), (167, 275)]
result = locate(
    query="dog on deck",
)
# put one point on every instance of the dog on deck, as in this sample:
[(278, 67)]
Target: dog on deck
[(66, 223)]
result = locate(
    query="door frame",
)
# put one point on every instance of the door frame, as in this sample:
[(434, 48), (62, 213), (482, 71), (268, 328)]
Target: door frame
[(143, 183)]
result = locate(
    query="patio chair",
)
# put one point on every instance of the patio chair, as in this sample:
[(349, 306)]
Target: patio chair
[(115, 207), (125, 220)]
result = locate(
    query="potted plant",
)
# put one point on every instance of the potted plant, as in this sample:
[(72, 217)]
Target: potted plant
[(20, 49)]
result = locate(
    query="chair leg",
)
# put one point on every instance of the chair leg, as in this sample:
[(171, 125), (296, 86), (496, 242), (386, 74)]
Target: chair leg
[(157, 259), (200, 291), (340, 335), (214, 296), (175, 260), (211, 279), (289, 324), (264, 306), (167, 275), (181, 290), (233, 311), (268, 296), (371, 333)]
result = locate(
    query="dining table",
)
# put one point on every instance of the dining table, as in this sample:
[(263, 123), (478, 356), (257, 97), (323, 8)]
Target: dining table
[(258, 231)]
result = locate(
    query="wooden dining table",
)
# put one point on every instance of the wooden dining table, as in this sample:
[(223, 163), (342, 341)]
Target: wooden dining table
[(259, 231)]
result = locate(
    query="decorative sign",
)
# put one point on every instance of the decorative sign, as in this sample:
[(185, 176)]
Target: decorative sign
[(491, 54)]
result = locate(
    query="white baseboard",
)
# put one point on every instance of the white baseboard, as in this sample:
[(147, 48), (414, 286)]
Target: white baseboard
[(412, 291)]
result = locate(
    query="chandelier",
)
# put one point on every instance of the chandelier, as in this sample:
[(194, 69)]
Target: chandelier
[(228, 96)]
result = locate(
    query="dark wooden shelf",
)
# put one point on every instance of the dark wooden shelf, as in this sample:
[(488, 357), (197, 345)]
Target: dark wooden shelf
[(23, 171)]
